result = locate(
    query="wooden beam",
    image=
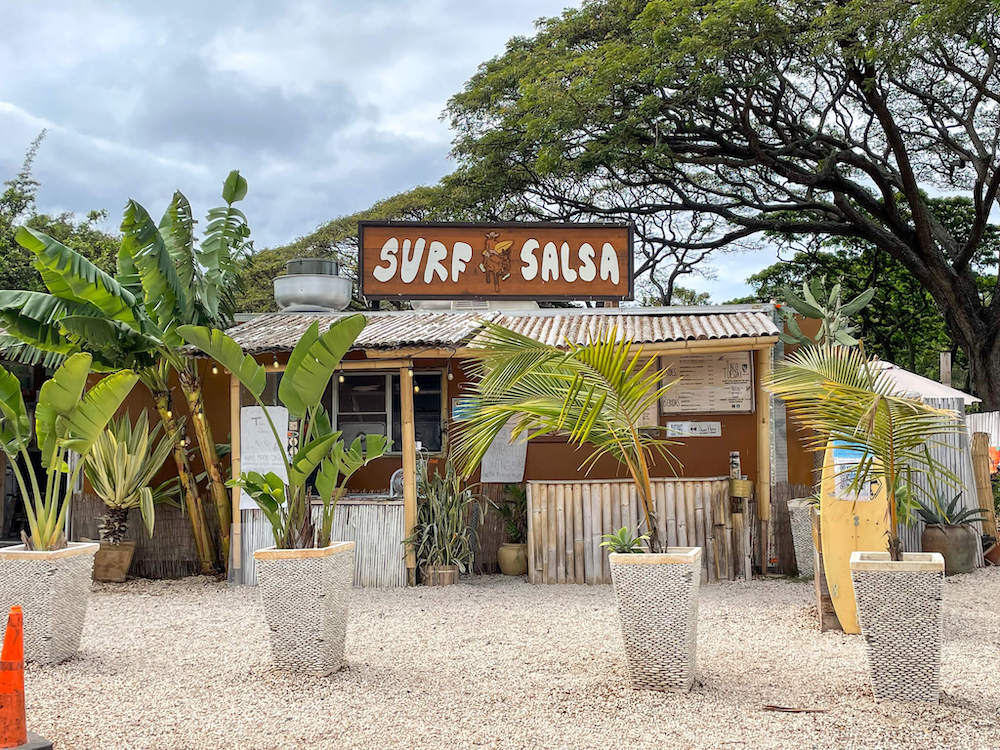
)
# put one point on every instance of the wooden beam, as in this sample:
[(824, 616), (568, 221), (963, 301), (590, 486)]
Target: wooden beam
[(234, 459), (984, 490), (409, 467), (763, 408), (411, 352)]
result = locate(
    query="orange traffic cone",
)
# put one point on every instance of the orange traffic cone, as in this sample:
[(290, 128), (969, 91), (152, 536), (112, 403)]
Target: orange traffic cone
[(13, 728)]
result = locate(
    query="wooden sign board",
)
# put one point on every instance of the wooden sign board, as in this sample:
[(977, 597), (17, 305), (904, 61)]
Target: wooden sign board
[(528, 261), (709, 383)]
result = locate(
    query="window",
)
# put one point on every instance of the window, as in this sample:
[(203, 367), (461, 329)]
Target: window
[(369, 403)]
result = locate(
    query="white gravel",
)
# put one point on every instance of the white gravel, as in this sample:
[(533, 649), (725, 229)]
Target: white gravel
[(498, 663)]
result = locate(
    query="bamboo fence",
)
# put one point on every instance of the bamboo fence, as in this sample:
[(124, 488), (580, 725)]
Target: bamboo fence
[(567, 519)]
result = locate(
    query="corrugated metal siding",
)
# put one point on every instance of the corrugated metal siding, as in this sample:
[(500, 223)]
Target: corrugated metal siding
[(641, 328), (955, 452), (986, 421), (281, 331)]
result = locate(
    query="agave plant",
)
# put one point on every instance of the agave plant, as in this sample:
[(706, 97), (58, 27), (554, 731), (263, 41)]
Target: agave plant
[(839, 394), (594, 393), (68, 418), (321, 450), (120, 467), (943, 512), (623, 542)]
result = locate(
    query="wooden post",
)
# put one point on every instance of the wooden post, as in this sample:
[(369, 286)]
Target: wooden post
[(763, 404), (235, 542), (981, 471), (946, 368), (409, 468)]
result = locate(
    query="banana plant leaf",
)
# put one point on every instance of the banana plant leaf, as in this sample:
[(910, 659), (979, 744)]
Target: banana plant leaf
[(166, 299), (312, 362), (227, 353), (15, 428), (57, 398)]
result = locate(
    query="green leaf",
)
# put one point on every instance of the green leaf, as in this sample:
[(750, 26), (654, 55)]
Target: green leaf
[(34, 318), (177, 231), (858, 303), (312, 362), (57, 398), (234, 188), (165, 298), (308, 457), (146, 509), (85, 422), (800, 305), (15, 427), (69, 275), (227, 353)]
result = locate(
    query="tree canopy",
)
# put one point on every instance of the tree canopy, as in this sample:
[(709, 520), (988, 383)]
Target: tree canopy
[(734, 119)]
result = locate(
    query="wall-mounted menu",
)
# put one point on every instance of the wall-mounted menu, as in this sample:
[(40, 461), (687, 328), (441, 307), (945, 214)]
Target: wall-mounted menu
[(709, 383)]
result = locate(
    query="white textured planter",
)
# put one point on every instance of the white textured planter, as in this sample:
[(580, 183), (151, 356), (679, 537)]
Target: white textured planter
[(52, 589), (899, 609), (658, 609), (800, 519), (304, 593)]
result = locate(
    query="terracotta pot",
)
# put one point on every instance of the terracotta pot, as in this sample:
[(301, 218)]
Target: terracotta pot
[(956, 544), (304, 594), (513, 559), (439, 575), (112, 561)]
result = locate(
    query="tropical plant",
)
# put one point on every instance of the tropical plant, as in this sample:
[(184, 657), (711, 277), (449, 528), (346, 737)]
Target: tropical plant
[(444, 533), (120, 468), (594, 393), (68, 419), (513, 509), (839, 394), (828, 308), (623, 542), (943, 512), (164, 279), (284, 500)]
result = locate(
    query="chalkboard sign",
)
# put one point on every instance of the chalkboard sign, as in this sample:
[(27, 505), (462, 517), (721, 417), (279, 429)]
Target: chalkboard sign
[(709, 384), (503, 461), (258, 450)]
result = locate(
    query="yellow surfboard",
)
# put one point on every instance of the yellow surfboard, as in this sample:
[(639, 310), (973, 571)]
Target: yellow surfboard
[(850, 522)]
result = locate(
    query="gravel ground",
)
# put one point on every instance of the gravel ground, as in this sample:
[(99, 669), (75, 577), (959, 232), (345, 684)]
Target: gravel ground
[(498, 663)]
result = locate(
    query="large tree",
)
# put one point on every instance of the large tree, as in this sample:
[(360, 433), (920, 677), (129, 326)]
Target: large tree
[(747, 117)]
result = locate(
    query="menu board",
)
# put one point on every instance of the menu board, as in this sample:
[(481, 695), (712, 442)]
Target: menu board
[(258, 450), (503, 461), (709, 383)]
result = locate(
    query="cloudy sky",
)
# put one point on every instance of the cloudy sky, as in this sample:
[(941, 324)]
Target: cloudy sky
[(325, 107)]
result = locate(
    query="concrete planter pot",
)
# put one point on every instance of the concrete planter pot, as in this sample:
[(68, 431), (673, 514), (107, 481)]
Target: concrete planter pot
[(800, 519), (304, 594), (657, 598), (958, 546), (899, 609), (52, 588), (513, 559)]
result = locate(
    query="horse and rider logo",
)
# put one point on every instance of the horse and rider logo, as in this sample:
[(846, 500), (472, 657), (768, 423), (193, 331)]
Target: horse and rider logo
[(496, 260)]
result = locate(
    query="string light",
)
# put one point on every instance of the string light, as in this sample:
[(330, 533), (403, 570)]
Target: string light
[(409, 372), (274, 363), (416, 389), (451, 376), (340, 379), (215, 370), (170, 414)]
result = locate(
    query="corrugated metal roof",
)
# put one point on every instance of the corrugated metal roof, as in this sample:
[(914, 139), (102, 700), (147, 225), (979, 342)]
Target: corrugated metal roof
[(385, 330), (642, 327), (390, 330)]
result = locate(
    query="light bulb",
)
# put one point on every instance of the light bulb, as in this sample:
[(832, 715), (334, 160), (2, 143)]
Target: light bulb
[(409, 372), (340, 379), (451, 376), (170, 414), (215, 370), (416, 389)]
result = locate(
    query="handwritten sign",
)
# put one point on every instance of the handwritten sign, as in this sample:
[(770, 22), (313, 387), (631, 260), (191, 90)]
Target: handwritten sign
[(258, 450), (709, 383), (504, 461)]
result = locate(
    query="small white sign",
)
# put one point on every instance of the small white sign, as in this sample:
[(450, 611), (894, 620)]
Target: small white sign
[(258, 450), (504, 461), (694, 429)]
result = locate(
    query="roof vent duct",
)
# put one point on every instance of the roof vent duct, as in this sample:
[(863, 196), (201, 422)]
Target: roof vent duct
[(312, 285)]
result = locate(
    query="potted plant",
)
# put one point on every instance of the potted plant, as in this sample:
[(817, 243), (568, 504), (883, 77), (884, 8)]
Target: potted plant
[(838, 393), (47, 575), (443, 539), (949, 531), (120, 467), (596, 394), (513, 509), (305, 578)]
